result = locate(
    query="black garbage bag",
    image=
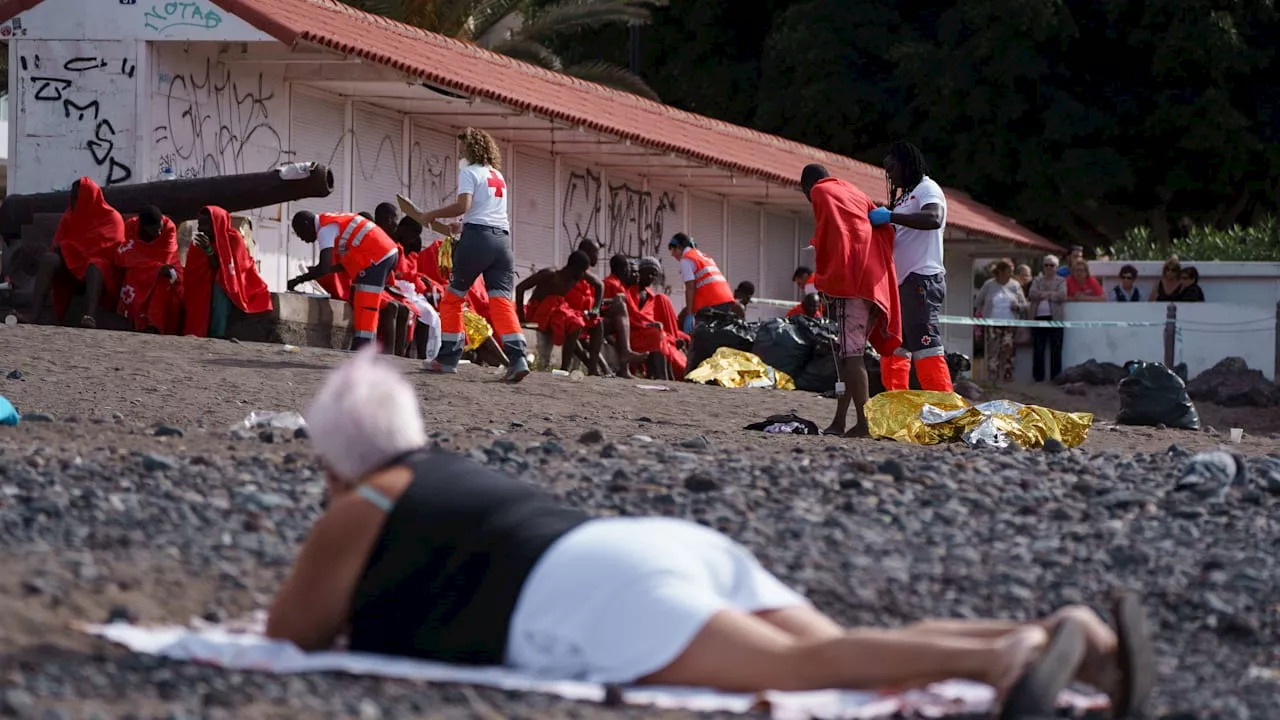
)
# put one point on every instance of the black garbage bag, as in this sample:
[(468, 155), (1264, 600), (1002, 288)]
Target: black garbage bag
[(721, 330), (957, 365), (784, 345), (875, 385), (1153, 394), (819, 373)]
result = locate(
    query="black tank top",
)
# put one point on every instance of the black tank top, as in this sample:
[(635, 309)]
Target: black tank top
[(443, 579)]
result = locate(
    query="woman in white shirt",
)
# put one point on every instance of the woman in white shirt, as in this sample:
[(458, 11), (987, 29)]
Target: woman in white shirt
[(1001, 298)]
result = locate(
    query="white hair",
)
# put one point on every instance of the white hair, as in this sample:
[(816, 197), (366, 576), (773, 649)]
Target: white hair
[(365, 414)]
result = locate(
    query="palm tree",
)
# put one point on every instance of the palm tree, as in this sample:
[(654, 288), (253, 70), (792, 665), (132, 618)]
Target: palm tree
[(523, 30)]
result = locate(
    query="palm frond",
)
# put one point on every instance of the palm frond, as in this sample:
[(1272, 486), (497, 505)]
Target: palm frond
[(573, 15), (393, 9), (489, 13), (530, 52), (614, 76)]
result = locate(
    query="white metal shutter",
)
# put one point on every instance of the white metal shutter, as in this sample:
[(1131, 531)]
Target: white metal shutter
[(744, 247), (433, 166), (582, 204), (316, 133), (779, 257), (376, 158), (706, 226), (668, 219), (533, 197), (805, 237)]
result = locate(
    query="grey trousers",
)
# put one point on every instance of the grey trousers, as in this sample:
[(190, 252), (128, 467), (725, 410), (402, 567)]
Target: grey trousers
[(484, 251)]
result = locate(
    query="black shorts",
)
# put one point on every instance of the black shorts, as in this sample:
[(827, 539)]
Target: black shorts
[(920, 299)]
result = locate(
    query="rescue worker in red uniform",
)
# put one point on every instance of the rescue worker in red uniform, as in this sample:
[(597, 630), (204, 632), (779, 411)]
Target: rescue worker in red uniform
[(354, 245), (705, 289)]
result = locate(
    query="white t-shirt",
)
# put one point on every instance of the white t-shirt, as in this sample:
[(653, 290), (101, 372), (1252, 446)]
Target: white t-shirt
[(1044, 309), (920, 251), (1002, 305), (489, 192), (326, 235), (687, 270)]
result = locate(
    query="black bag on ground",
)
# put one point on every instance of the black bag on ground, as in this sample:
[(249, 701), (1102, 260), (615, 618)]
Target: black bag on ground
[(784, 345), (1153, 394), (722, 330), (819, 373)]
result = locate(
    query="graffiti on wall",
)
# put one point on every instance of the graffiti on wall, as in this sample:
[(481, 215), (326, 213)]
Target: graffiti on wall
[(163, 16), (580, 210), (433, 175), (213, 123), (637, 220), (72, 98)]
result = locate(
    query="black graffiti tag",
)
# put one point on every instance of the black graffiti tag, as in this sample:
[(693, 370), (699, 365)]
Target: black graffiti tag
[(581, 207), (50, 89), (81, 64), (101, 147), (69, 106)]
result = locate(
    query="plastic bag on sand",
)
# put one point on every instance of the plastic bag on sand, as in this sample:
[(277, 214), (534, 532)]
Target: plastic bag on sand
[(266, 419), (736, 368), (928, 418), (1154, 395), (783, 345), (819, 372), (721, 331)]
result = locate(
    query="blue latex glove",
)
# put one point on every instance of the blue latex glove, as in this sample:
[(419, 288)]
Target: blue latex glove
[(8, 415), (880, 216), (688, 324)]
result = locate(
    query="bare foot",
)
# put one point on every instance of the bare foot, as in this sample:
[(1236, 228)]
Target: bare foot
[(634, 357), (834, 429), (1016, 651), (858, 431), (88, 322)]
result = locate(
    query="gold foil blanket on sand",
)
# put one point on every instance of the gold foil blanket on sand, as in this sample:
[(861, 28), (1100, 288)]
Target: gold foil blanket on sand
[(736, 368), (929, 418)]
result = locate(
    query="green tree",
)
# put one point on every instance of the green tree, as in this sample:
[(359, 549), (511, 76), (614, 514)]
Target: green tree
[(525, 29)]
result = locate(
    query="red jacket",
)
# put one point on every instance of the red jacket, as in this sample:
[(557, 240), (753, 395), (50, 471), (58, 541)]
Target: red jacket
[(854, 260)]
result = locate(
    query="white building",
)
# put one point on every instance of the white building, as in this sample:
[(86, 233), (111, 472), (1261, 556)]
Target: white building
[(120, 89)]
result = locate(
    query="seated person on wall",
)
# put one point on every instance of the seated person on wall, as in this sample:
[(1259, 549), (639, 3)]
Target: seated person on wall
[(387, 217), (427, 554), (744, 293), (620, 309), (584, 297), (706, 292), (664, 310), (666, 360), (810, 306), (151, 289), (81, 257), (549, 308), (803, 278), (219, 274), (408, 235)]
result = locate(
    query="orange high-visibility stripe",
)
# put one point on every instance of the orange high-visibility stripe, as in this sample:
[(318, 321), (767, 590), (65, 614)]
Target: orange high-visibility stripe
[(709, 285), (360, 242)]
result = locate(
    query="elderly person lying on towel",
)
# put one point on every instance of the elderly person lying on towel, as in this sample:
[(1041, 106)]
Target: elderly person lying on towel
[(427, 554)]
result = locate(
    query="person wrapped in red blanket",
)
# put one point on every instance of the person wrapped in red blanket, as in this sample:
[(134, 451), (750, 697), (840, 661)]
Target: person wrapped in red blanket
[(549, 308), (219, 274), (810, 306), (83, 255), (855, 271), (653, 311), (151, 287)]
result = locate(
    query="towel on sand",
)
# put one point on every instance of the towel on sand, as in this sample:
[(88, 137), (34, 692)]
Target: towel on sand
[(244, 648)]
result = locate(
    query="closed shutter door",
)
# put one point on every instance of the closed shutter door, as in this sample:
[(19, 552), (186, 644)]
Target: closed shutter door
[(706, 226), (779, 257), (534, 195), (668, 214), (581, 205), (376, 158), (806, 236), (744, 246), (433, 166), (316, 133)]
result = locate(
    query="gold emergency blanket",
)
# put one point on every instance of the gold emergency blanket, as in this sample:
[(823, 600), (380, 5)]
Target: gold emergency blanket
[(929, 418), (444, 257), (476, 327), (735, 368)]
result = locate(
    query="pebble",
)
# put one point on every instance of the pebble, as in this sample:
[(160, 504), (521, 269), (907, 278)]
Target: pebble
[(591, 437), (37, 417), (155, 463), (169, 431), (15, 375)]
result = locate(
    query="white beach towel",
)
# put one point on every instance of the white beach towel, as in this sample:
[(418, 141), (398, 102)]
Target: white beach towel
[(244, 648)]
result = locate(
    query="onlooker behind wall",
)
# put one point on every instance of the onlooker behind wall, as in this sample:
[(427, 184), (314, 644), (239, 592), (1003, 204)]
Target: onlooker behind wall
[(1048, 293), (1023, 275), (1077, 253), (1000, 298), (1190, 290), (1127, 291), (1082, 286), (1170, 282)]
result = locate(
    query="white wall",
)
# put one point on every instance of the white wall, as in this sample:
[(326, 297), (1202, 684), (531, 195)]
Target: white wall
[(1207, 333), (130, 20), (1243, 283)]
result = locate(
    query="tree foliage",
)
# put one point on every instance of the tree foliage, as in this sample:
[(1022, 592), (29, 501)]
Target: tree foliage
[(525, 29), (1258, 242)]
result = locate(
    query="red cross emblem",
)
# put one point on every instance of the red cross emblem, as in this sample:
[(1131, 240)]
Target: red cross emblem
[(496, 182)]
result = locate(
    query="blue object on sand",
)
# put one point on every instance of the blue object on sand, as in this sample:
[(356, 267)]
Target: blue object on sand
[(8, 415)]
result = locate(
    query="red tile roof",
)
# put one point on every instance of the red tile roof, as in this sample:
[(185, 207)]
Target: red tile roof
[(475, 71)]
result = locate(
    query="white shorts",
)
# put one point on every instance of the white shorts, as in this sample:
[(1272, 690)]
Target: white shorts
[(617, 599)]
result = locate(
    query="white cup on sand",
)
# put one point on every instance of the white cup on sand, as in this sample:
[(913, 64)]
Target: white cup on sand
[(1237, 434)]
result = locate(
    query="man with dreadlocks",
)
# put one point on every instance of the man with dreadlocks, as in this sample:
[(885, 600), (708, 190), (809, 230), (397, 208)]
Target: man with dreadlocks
[(918, 211)]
